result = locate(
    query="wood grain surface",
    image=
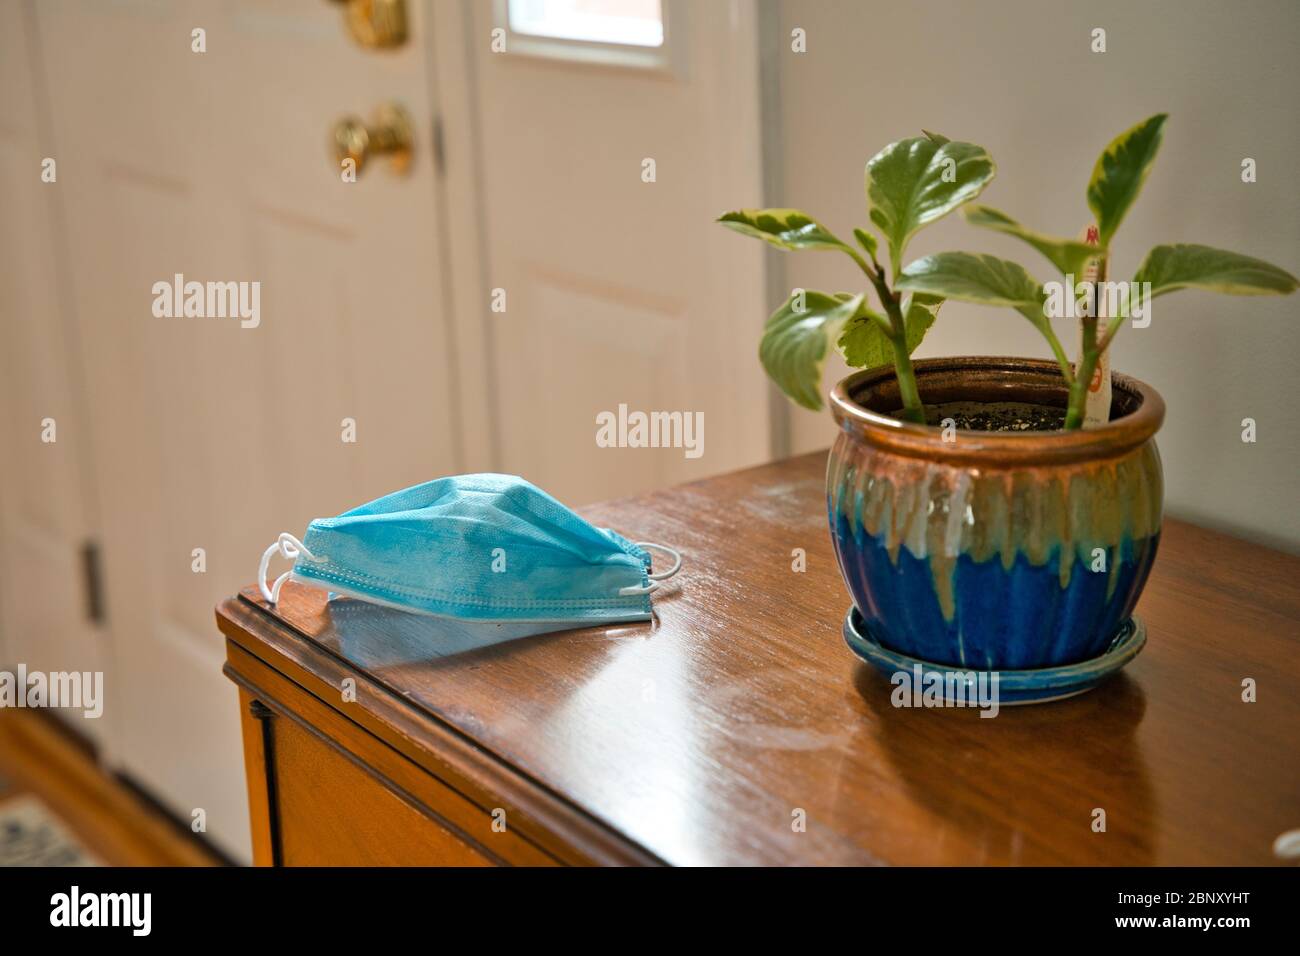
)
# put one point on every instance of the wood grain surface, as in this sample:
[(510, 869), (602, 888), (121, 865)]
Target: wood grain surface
[(704, 736)]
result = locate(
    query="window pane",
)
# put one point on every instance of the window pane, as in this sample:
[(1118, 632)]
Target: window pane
[(630, 22)]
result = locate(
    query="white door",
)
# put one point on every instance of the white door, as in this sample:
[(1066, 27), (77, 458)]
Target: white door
[(208, 434), (45, 521), (604, 166)]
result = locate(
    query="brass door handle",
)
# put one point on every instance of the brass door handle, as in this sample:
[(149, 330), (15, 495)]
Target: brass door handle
[(376, 24), (388, 135)]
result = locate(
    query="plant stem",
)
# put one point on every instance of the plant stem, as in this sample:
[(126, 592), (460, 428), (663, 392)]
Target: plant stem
[(1083, 374), (1074, 414), (872, 274), (912, 410)]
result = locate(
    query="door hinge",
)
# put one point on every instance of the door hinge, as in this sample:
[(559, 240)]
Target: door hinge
[(93, 582), (439, 151)]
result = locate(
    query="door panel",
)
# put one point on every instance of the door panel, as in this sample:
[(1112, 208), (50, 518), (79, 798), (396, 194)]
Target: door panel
[(621, 291), (44, 518), (215, 166), (636, 352)]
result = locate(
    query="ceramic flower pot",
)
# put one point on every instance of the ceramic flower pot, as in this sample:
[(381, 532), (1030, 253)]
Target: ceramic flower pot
[(993, 550)]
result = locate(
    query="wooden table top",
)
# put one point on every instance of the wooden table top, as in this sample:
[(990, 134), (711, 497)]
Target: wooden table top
[(698, 737)]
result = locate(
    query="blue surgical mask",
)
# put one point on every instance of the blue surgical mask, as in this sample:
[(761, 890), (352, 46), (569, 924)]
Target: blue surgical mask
[(476, 548)]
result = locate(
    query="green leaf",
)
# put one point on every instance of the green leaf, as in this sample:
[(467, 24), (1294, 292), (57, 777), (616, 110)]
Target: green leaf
[(1120, 172), (916, 181), (1199, 267), (972, 277), (794, 342), (919, 313), (936, 138), (1068, 255), (783, 228), (865, 341), (866, 240)]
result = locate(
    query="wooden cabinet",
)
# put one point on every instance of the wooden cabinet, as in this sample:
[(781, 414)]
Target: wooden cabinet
[(737, 728), (331, 806), (326, 789)]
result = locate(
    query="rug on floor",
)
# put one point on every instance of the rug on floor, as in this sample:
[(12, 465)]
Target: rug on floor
[(31, 834)]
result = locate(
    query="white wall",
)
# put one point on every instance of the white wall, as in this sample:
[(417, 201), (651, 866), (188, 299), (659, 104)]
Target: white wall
[(1018, 77)]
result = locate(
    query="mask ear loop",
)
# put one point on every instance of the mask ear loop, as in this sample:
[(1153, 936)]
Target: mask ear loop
[(657, 579), (290, 547)]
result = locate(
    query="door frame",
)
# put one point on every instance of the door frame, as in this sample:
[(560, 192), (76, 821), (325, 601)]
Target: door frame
[(457, 142)]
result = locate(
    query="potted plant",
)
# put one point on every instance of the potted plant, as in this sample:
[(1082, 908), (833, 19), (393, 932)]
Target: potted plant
[(977, 524)]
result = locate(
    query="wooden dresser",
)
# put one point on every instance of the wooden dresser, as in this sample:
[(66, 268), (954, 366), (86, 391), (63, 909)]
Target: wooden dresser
[(738, 728)]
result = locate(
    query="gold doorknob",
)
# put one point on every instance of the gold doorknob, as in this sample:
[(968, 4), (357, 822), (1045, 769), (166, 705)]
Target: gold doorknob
[(376, 23), (388, 135)]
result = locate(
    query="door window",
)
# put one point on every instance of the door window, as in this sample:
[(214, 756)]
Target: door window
[(618, 32)]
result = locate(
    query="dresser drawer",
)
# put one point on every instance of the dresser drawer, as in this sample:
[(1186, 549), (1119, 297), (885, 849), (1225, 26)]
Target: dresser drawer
[(323, 791), (332, 809)]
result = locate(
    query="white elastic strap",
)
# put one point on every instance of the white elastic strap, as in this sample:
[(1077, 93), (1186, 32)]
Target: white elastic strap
[(655, 579), (290, 547)]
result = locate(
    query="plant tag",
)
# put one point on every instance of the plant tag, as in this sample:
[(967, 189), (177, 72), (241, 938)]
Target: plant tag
[(1096, 409)]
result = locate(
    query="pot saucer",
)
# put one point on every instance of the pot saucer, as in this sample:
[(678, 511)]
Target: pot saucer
[(1035, 686)]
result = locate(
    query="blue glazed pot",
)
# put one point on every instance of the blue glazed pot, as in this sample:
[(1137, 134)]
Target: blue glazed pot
[(993, 550)]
